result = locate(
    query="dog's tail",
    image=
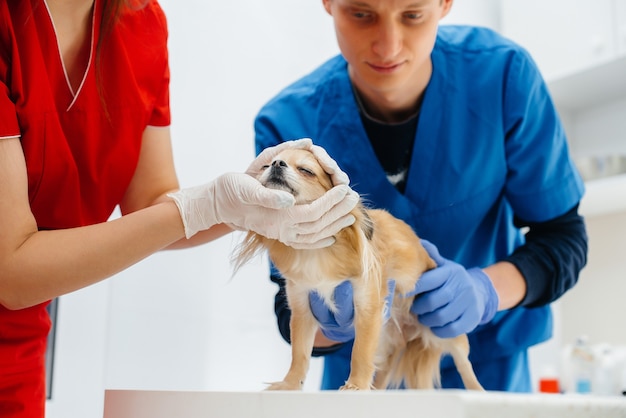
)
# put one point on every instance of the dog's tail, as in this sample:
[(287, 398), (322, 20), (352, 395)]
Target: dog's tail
[(417, 367)]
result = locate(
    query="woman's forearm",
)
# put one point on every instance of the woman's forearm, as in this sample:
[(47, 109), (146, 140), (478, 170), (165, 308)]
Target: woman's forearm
[(50, 263)]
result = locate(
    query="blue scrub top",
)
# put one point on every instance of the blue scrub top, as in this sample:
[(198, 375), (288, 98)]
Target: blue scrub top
[(489, 145)]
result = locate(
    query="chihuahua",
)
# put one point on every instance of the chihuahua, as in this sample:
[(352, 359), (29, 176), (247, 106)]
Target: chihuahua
[(376, 248)]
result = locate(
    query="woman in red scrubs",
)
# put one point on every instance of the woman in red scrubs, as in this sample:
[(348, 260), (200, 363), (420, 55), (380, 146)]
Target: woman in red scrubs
[(84, 116)]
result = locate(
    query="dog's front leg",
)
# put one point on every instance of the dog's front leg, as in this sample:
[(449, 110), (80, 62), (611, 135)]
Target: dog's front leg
[(303, 328), (368, 319)]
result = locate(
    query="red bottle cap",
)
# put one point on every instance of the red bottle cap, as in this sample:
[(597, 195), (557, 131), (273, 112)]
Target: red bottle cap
[(549, 385)]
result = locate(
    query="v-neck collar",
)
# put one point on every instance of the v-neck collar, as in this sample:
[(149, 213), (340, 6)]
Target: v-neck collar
[(344, 118), (75, 94)]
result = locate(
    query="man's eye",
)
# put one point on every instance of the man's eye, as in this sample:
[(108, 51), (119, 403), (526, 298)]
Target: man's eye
[(360, 14), (413, 15), (306, 171), (266, 166)]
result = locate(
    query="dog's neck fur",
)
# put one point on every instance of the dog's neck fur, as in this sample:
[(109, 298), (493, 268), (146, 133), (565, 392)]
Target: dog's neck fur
[(344, 259)]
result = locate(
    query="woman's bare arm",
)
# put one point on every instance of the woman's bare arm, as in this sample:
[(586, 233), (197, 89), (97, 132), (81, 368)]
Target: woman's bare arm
[(39, 265)]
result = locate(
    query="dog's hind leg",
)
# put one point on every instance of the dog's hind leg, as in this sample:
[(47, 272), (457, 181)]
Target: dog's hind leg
[(384, 368), (458, 348)]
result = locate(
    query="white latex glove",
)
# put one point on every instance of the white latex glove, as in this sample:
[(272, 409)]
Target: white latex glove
[(328, 164), (239, 200)]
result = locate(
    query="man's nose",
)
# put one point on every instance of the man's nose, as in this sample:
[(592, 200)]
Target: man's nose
[(388, 42)]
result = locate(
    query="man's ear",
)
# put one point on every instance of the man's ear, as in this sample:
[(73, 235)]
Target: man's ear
[(327, 6), (446, 5)]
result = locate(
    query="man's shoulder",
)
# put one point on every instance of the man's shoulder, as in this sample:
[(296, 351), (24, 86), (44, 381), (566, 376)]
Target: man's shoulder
[(473, 39), (471, 51)]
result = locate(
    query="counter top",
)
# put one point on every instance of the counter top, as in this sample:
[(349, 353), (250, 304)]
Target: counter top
[(375, 404)]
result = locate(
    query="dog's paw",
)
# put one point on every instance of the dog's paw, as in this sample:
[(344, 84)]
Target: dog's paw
[(284, 386), (352, 386)]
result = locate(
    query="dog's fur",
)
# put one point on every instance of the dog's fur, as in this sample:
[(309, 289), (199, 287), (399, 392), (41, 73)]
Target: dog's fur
[(377, 247)]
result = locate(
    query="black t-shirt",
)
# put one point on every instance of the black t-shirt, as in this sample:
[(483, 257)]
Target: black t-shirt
[(393, 144)]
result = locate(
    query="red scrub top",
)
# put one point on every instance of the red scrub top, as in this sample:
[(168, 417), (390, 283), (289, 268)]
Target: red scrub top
[(80, 155)]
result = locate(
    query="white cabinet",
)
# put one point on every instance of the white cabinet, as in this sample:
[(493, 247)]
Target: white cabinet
[(580, 47), (592, 105), (563, 36)]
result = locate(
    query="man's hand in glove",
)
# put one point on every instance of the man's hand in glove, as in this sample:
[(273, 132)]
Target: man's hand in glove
[(338, 324), (452, 300)]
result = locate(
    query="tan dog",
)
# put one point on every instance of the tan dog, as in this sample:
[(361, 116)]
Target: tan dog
[(377, 247)]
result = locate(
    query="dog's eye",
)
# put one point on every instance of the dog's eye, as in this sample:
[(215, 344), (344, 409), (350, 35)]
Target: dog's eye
[(306, 171)]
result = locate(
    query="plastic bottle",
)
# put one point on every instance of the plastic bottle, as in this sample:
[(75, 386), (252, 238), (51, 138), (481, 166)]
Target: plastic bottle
[(578, 367), (621, 370), (606, 370), (549, 381)]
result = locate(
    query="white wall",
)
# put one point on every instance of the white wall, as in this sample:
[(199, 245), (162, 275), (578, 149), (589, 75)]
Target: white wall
[(475, 12), (593, 59), (595, 306), (177, 321)]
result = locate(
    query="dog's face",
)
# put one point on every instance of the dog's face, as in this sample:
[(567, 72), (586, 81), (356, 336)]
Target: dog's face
[(298, 172)]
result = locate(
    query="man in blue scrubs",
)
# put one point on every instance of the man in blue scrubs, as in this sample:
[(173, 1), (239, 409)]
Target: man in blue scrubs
[(451, 129)]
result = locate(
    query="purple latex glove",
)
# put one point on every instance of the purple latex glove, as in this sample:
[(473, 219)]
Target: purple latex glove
[(452, 300), (339, 325)]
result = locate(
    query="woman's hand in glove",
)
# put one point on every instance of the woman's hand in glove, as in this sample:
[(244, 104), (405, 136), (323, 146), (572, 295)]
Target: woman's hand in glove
[(328, 164), (452, 300), (239, 200)]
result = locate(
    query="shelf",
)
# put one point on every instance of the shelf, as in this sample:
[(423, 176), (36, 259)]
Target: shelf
[(604, 196), (601, 83)]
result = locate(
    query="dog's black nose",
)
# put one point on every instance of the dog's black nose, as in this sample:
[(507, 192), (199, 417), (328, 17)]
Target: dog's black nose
[(279, 163)]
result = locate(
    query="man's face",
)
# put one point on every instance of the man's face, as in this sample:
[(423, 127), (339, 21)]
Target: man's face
[(387, 43)]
